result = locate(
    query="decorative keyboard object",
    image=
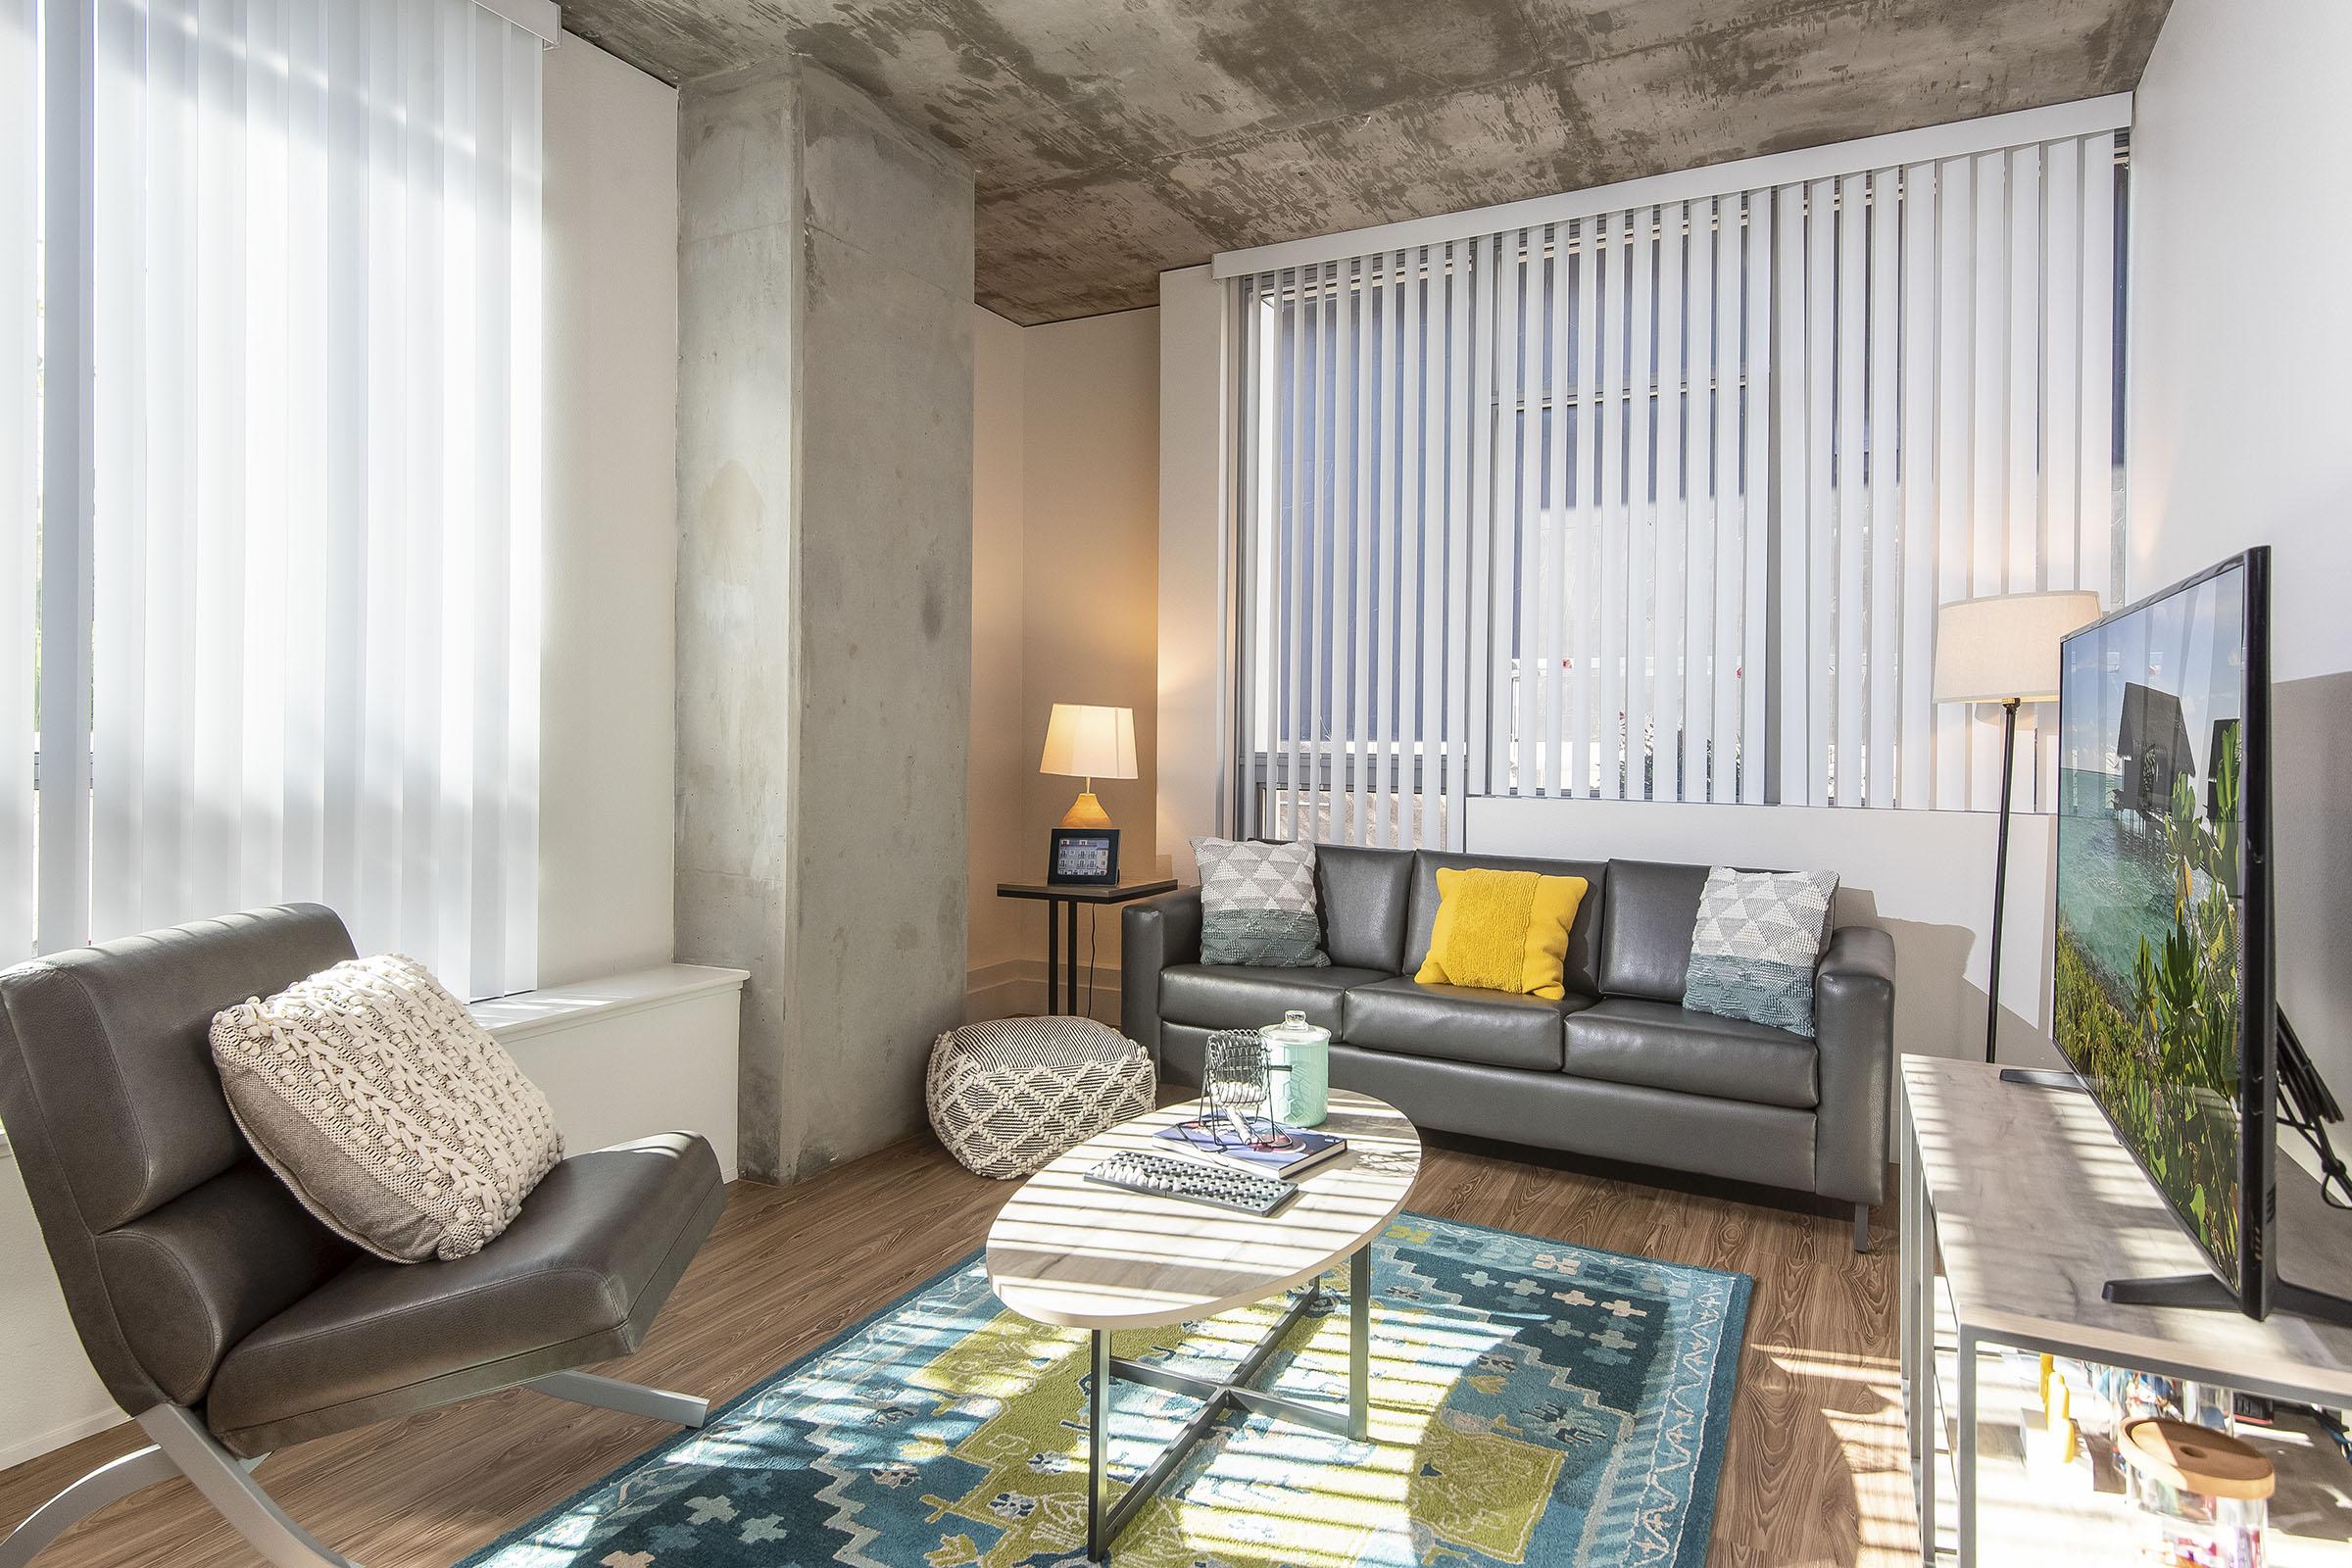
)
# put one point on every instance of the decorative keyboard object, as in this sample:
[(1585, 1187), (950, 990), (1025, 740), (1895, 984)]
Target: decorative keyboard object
[(1162, 1176)]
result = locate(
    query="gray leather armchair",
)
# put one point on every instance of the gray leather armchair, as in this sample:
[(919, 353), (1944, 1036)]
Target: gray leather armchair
[(226, 1320), (1617, 1069)]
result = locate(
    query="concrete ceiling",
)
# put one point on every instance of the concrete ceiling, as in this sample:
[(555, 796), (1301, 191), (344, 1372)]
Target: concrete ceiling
[(1114, 138)]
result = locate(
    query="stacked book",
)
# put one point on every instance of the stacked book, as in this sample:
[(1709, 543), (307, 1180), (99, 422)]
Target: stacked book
[(1272, 1148)]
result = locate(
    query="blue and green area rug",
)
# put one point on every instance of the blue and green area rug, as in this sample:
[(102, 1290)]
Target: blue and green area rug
[(1532, 1402)]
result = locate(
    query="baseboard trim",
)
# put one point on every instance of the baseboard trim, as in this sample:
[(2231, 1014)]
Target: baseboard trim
[(1017, 987), (30, 1449)]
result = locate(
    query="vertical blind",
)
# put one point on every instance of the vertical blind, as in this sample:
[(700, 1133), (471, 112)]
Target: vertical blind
[(312, 535), (1659, 503), (20, 464)]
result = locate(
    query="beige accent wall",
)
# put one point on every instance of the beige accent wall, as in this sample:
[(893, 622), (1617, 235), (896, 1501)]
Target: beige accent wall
[(1074, 520)]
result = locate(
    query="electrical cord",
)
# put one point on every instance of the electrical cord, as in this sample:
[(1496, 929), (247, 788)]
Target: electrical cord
[(1093, 945), (2305, 1105), (2335, 1178)]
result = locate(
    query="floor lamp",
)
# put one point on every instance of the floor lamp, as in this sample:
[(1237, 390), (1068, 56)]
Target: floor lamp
[(2004, 649)]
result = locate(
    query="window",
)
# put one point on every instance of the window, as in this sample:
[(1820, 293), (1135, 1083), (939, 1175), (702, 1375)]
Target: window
[(287, 532), (1658, 503)]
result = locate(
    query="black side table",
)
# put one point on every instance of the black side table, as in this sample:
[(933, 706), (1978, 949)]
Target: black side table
[(1062, 900)]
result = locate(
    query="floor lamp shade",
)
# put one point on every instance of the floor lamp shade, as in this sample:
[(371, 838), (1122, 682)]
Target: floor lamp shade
[(1089, 742), (2004, 649)]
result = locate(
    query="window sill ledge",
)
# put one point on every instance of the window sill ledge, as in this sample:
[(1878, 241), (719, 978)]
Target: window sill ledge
[(551, 1009)]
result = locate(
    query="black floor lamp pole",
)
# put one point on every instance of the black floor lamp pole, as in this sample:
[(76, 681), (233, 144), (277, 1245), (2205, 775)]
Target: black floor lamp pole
[(2000, 877)]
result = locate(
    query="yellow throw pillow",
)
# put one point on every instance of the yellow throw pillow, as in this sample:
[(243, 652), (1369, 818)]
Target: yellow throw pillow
[(1502, 931)]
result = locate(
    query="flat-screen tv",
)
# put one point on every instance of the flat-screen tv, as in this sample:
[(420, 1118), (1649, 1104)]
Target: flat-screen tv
[(2164, 987)]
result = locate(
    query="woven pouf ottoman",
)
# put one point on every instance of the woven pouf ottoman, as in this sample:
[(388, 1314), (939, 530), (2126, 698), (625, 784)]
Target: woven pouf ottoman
[(1009, 1095)]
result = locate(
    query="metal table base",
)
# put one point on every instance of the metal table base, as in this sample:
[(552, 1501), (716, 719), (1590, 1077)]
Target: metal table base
[(1104, 1519)]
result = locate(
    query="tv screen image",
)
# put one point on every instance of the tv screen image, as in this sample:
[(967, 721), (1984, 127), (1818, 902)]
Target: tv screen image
[(2162, 1005)]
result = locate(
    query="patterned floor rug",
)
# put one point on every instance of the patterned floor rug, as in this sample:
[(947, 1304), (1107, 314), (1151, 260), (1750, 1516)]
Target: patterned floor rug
[(1532, 1402)]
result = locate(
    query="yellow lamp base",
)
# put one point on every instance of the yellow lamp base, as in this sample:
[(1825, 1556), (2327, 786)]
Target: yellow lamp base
[(1085, 811)]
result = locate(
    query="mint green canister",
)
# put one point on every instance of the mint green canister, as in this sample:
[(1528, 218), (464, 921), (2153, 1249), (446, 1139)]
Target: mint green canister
[(1299, 1065)]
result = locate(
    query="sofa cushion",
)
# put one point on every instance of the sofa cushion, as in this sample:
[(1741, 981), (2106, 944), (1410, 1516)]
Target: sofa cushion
[(1258, 903), (1232, 996), (1457, 1023), (1646, 942), (1364, 893), (1581, 971), (1658, 1045), (1502, 931)]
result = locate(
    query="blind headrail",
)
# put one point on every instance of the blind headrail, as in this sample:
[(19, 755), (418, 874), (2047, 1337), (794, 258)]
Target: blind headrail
[(2084, 117)]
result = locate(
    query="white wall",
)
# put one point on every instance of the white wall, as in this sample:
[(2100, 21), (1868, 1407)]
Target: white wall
[(605, 741), (2239, 416), (1193, 369), (1066, 511)]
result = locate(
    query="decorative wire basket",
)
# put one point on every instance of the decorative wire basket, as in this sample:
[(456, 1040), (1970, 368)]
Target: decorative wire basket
[(1237, 1086)]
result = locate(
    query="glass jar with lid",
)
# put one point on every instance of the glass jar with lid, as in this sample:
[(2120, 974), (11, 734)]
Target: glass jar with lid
[(2203, 1496), (1299, 1065)]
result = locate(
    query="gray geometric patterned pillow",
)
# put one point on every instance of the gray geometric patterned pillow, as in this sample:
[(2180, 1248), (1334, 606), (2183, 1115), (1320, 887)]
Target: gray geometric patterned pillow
[(1258, 904), (1759, 934)]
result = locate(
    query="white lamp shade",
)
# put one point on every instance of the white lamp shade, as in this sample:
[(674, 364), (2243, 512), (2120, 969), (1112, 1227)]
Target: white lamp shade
[(2006, 645), (1086, 742)]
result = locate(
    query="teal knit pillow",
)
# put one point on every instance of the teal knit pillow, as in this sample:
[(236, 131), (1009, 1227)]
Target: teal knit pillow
[(1758, 937), (1258, 906)]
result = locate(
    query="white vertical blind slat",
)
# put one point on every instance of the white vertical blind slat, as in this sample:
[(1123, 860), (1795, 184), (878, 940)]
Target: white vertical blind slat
[(1386, 511), (1885, 606), (1510, 529), (2026, 567), (1701, 517), (1525, 414), (1955, 470), (1916, 458), (1792, 370), (1446, 791), (1584, 745), (1295, 434), (1821, 485), (1490, 494), (1849, 497), (1755, 502), (1988, 519), (1356, 311), (1417, 713), (1724, 651), (2095, 467), (20, 470), (1558, 645), (1616, 751), (1640, 501), (1669, 528)]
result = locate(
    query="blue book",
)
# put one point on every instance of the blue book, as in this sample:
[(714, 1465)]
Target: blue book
[(1288, 1151)]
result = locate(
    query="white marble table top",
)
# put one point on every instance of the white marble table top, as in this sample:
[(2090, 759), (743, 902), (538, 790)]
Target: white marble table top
[(2037, 1205), (1078, 1253)]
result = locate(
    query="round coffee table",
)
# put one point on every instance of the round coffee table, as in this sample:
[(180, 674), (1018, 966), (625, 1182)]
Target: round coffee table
[(1080, 1254)]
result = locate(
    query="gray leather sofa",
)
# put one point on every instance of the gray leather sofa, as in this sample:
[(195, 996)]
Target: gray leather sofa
[(1618, 1069)]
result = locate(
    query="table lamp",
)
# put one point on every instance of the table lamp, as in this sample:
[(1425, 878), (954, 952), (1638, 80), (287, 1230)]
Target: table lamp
[(1088, 743), (2004, 649)]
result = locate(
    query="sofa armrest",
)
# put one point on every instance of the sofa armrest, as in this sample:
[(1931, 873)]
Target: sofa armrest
[(1853, 1013), (1153, 935)]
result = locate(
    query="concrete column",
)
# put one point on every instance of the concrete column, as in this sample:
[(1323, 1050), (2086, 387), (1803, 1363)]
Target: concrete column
[(824, 571)]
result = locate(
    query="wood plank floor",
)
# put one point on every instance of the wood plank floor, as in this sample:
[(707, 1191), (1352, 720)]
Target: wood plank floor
[(1814, 1473)]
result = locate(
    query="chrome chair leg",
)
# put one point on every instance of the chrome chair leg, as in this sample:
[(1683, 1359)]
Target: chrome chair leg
[(223, 1478), (109, 1483), (629, 1398)]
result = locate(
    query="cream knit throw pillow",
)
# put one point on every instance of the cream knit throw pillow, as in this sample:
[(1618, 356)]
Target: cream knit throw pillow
[(394, 1116)]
